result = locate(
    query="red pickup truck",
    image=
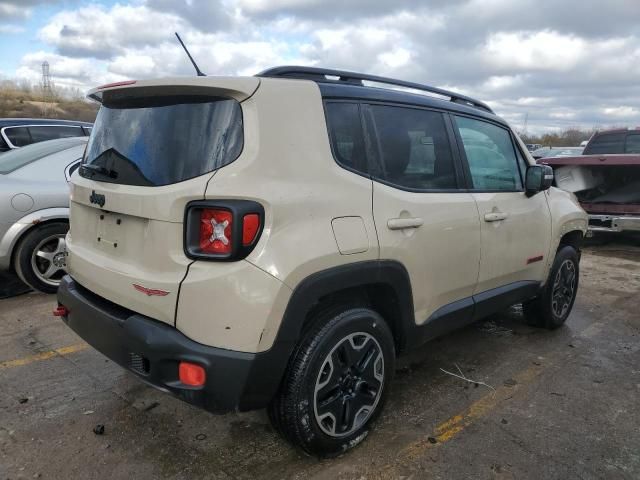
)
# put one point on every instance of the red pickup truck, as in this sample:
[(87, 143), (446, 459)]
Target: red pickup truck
[(605, 178)]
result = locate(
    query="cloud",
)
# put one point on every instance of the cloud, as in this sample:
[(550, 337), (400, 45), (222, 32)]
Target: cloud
[(570, 63), (97, 32), (20, 9), (12, 11)]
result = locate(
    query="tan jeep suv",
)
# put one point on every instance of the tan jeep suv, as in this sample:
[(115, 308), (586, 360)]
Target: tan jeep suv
[(277, 241)]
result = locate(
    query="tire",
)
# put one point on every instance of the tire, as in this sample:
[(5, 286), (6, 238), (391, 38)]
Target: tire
[(40, 258), (552, 307), (346, 361)]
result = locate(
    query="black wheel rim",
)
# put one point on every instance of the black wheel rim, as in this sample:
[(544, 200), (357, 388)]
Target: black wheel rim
[(564, 289), (349, 385)]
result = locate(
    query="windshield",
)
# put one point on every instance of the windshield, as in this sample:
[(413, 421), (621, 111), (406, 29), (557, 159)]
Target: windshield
[(18, 158), (163, 140)]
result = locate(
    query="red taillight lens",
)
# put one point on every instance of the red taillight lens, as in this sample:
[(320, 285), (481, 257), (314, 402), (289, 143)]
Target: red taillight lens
[(216, 231), (192, 374), (250, 226)]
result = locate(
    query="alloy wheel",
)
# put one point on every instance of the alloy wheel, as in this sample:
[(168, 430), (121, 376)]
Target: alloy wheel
[(349, 384), (49, 259), (564, 286)]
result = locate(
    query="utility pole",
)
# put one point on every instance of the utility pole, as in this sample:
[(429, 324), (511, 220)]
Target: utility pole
[(526, 121), (47, 91)]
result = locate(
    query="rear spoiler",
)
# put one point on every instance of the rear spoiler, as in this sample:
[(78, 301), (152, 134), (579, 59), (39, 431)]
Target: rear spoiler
[(238, 88)]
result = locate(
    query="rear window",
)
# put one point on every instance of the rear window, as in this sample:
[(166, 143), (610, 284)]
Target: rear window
[(609, 143), (633, 143), (163, 140), (18, 136)]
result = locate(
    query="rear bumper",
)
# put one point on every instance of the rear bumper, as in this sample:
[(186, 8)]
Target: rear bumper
[(614, 223), (152, 351)]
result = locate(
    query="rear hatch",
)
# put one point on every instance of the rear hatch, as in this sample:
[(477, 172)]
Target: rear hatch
[(153, 149)]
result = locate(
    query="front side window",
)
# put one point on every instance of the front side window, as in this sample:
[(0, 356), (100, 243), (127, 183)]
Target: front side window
[(414, 148), (157, 141), (345, 132), (18, 136), (490, 155)]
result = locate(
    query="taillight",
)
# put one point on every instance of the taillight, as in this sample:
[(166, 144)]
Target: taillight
[(216, 231), (222, 229)]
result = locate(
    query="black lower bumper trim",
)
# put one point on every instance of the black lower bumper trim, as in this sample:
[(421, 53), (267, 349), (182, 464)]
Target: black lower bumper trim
[(153, 350)]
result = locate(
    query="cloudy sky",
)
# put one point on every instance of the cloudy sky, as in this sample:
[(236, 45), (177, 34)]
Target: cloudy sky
[(559, 63)]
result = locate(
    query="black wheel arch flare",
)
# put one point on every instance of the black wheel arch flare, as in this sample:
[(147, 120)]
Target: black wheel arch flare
[(268, 369)]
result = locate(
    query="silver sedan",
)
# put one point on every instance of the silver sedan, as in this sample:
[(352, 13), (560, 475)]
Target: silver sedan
[(34, 209)]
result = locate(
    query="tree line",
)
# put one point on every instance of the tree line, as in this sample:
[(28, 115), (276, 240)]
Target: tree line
[(22, 99)]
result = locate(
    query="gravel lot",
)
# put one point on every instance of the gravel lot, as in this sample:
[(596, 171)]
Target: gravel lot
[(562, 404)]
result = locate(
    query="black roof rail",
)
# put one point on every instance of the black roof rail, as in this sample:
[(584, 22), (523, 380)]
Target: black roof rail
[(352, 78)]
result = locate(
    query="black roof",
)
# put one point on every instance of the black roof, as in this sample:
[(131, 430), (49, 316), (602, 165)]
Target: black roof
[(15, 122), (374, 94), (342, 84)]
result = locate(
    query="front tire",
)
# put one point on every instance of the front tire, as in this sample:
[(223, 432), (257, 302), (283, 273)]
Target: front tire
[(336, 383), (40, 259), (552, 307)]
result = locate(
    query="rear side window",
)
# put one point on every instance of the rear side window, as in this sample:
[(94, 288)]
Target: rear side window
[(414, 148), (608, 143), (633, 143), (490, 155), (345, 132), (18, 136), (42, 133), (163, 140)]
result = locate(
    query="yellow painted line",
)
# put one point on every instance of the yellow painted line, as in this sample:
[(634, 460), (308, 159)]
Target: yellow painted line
[(448, 429), (19, 362)]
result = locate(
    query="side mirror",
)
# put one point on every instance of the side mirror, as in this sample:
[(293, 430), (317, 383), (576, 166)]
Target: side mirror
[(539, 178)]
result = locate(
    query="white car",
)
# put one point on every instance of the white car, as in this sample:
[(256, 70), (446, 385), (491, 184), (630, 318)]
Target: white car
[(34, 209)]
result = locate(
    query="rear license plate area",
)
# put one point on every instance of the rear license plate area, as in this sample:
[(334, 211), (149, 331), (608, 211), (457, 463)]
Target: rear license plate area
[(109, 230)]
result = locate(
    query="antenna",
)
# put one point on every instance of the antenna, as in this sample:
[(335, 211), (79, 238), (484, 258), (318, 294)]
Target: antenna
[(198, 71)]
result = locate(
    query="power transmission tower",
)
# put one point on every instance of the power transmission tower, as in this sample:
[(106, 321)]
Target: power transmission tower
[(526, 121), (47, 90)]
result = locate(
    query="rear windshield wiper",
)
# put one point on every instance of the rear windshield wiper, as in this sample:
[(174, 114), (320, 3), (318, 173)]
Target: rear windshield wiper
[(93, 169)]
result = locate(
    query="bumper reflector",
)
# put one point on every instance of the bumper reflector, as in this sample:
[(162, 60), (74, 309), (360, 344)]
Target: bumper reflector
[(61, 311), (192, 374)]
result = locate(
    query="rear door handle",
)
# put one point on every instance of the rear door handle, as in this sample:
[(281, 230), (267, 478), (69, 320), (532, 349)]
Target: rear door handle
[(402, 223), (495, 216)]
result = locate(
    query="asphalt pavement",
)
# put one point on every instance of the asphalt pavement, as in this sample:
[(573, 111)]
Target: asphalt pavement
[(553, 405)]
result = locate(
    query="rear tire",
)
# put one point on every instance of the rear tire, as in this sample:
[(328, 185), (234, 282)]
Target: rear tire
[(40, 258), (552, 307), (336, 382)]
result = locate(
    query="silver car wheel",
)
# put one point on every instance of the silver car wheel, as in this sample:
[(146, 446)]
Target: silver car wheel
[(49, 259)]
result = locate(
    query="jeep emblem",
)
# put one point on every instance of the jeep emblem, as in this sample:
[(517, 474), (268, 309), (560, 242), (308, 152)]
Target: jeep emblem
[(97, 198)]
